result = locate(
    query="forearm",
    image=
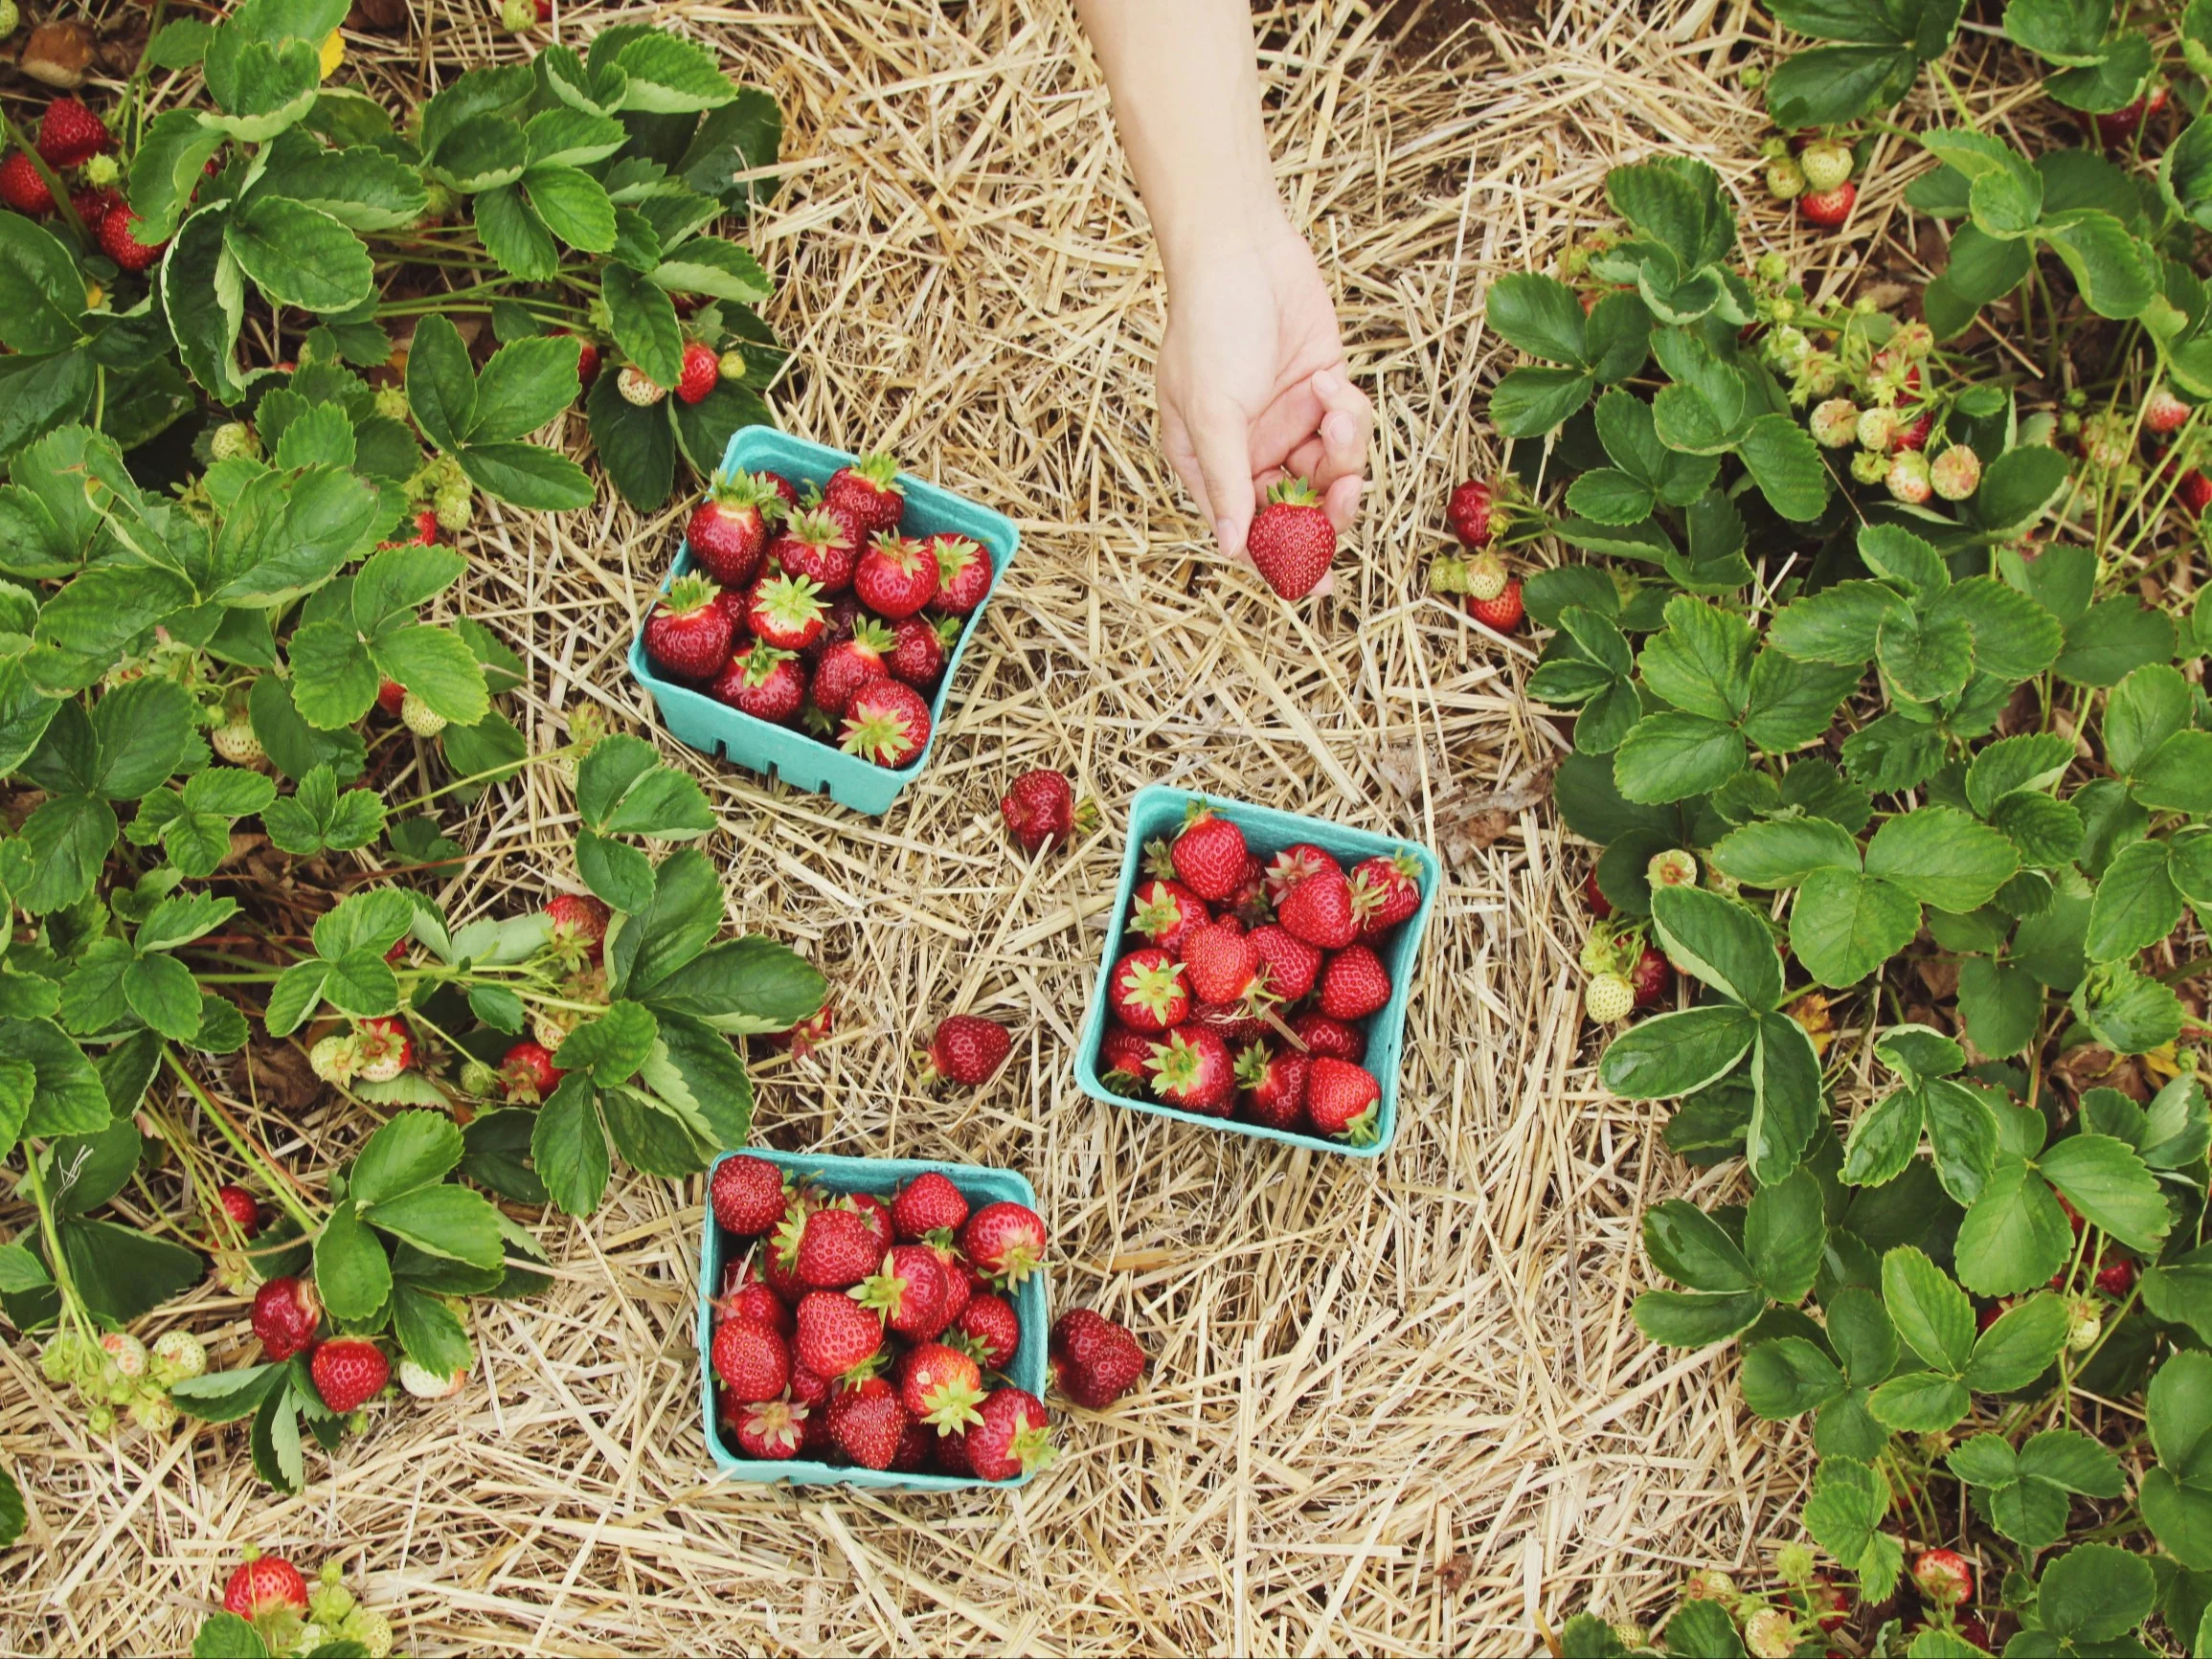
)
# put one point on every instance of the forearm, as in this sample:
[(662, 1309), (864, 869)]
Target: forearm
[(1185, 89)]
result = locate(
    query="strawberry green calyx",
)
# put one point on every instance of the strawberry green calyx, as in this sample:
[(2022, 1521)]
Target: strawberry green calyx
[(736, 491), (953, 555), (818, 529), (879, 468), (1156, 987), (1294, 492), (1364, 1130), (884, 1290), (761, 662), (1176, 1063), (1159, 860), (1156, 916), (688, 595), (792, 603), (873, 634), (878, 737)]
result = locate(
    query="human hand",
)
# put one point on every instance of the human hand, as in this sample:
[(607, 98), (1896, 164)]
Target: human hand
[(1253, 384)]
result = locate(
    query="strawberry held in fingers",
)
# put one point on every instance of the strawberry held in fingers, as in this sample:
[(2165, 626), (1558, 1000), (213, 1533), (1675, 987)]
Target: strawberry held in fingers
[(967, 1049), (349, 1372), (1208, 857), (1006, 1241), (1291, 541), (869, 491), (728, 530), (963, 573), (896, 577), (1011, 1437), (927, 1204), (1344, 1100), (888, 723), (1192, 1069), (687, 635), (813, 545)]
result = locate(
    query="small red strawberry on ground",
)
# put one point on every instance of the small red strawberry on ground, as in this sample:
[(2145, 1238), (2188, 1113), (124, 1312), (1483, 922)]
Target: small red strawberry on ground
[(1468, 513), (1164, 910), (963, 573), (2120, 126), (927, 1204), (263, 1585), (2163, 413), (748, 1195), (1354, 984), (1040, 811), (1125, 1061), (1829, 209), (895, 576), (384, 1046), (241, 1208), (119, 240), (702, 371), (865, 1420), (1219, 961), (587, 365), (1343, 1100), (286, 1314), (1147, 991), (1300, 862), (751, 1359), (887, 724), (1209, 856), (688, 636), (1594, 897), (23, 189), (2194, 492), (1502, 614), (837, 1250), (1094, 1361), (1322, 910), (70, 135), (1290, 965), (835, 1333), (967, 1049), (728, 530), (867, 489), (1329, 1038), (1944, 1578), (1192, 1070), (580, 921), (917, 652), (765, 682), (940, 1386), (911, 1290), (2117, 1276), (1011, 1439), (1651, 979), (1386, 890), (845, 666), (1291, 541), (989, 1329), (527, 1073), (815, 546), (1006, 1241), (349, 1372), (1273, 1087), (772, 1431)]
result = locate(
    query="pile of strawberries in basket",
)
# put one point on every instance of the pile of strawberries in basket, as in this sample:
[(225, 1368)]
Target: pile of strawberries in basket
[(1249, 994), (72, 138), (819, 613), (863, 1331)]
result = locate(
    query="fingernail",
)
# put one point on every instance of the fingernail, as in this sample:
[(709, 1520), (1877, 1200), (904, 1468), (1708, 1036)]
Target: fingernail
[(1225, 530)]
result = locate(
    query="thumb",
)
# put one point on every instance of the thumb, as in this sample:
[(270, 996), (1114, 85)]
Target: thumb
[(1225, 463)]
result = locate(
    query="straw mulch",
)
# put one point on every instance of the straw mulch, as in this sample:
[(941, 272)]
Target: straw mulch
[(1395, 1408)]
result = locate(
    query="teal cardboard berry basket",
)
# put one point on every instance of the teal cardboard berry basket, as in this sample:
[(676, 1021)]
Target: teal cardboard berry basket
[(1159, 810), (881, 1176), (699, 722)]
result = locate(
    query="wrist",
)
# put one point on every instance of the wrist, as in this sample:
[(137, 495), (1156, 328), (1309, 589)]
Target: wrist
[(1233, 224)]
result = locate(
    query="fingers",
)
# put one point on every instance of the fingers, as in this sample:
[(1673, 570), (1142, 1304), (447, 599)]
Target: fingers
[(1347, 423), (1175, 443), (1222, 440), (1342, 502)]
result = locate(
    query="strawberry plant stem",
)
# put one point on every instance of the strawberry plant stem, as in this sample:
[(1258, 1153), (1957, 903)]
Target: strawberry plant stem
[(289, 1192)]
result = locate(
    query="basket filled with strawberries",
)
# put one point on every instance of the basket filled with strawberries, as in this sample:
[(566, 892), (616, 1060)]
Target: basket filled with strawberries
[(1257, 971), (878, 1322), (815, 616)]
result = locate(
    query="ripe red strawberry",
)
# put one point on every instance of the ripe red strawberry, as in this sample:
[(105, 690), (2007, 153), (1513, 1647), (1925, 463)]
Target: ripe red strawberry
[(91, 206), (736, 604), (787, 611), (1944, 1578), (1468, 513), (1829, 209), (527, 1073), (841, 617), (964, 573), (886, 722), (1249, 903), (1208, 857), (1039, 809), (2116, 1277), (241, 1208), (349, 1372), (391, 695), (1125, 1061), (1600, 906), (1235, 1023), (895, 576), (702, 371), (1006, 1241), (261, 1585), (752, 1361), (950, 1454), (748, 1195), (688, 636), (1325, 1037), (1290, 963), (1164, 910), (1191, 1069), (70, 135), (764, 682), (910, 1290), (869, 491), (1354, 984), (1384, 891), (579, 921), (989, 1329), (1502, 614), (1095, 1361), (772, 1431), (845, 666), (1297, 863), (961, 1282), (917, 1443), (813, 545), (1011, 1438), (1219, 961), (918, 653), (728, 530), (286, 1315), (865, 1420), (837, 1249), (1343, 1099), (940, 1386), (1321, 910), (1652, 977), (119, 240), (1272, 1087), (1147, 991), (835, 1333), (2115, 128), (2194, 492), (1290, 540), (929, 1204), (587, 365), (811, 1390), (23, 189), (967, 1049), (748, 1299), (873, 1211)]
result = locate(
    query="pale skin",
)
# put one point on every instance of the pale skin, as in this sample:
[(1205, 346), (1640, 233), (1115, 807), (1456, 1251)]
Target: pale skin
[(1251, 378)]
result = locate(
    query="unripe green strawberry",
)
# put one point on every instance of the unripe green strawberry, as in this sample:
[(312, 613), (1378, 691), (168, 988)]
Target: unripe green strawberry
[(1772, 267), (1836, 423), (1672, 868), (232, 439), (100, 1420), (455, 505), (371, 1630), (1869, 466), (2088, 1324), (391, 403), (1907, 478), (637, 389), (419, 717), (1785, 179), (517, 15), (1608, 997), (1486, 576), (1448, 574), (2107, 441), (1955, 473), (156, 1413), (178, 1356), (732, 366), (1878, 429), (235, 741), (102, 170), (335, 1059), (10, 17), (1825, 166)]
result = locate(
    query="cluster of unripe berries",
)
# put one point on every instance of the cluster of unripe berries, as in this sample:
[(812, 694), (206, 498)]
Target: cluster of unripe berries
[(1817, 176), (704, 369), (1477, 573), (1626, 970), (118, 1376), (292, 1616)]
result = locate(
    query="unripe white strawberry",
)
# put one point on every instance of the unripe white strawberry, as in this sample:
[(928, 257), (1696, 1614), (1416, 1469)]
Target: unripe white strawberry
[(478, 1079), (1785, 179), (1912, 341), (551, 1027), (235, 741), (125, 1352), (419, 717), (1709, 1584), (178, 1356), (1869, 465), (1672, 868), (1955, 473), (10, 17), (1907, 478), (1836, 423), (232, 439), (100, 1420), (1787, 347), (455, 505), (2164, 413), (1448, 574), (636, 389), (1486, 576), (371, 1630), (156, 1413), (731, 366), (424, 1384), (1769, 1633), (1877, 429), (1825, 165), (1608, 997), (2107, 441), (336, 1059), (2088, 1324), (516, 15)]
